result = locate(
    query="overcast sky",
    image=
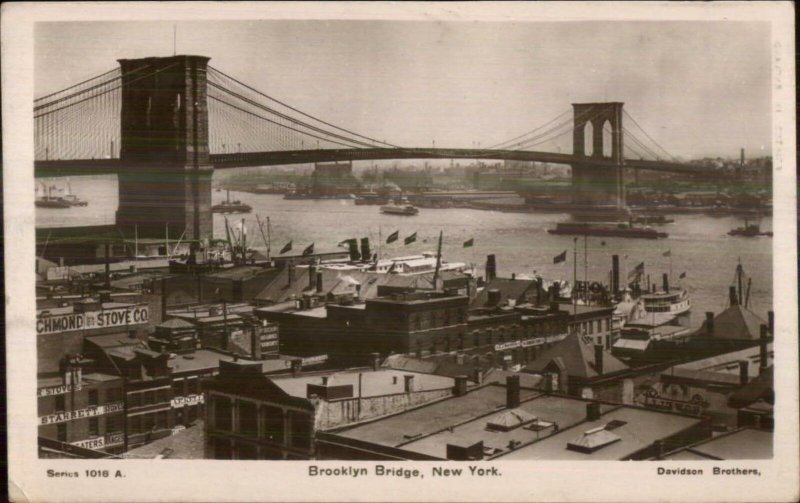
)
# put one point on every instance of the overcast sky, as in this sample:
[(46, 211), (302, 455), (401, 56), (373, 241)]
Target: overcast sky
[(699, 88)]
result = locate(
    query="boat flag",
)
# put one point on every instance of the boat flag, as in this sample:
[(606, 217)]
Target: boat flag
[(561, 257), (667, 253), (410, 239), (287, 247), (636, 272), (393, 237), (345, 243), (309, 250), (683, 275), (469, 242)]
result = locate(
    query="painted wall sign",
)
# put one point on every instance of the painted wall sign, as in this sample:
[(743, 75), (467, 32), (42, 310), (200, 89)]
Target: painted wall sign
[(101, 442), (184, 401), (133, 315), (57, 390), (71, 415), (315, 360)]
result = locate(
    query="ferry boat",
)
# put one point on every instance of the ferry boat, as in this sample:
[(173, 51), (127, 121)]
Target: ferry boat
[(606, 230), (403, 209), (671, 301), (48, 200), (229, 206), (409, 265)]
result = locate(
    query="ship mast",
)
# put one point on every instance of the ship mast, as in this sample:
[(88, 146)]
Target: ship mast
[(438, 261)]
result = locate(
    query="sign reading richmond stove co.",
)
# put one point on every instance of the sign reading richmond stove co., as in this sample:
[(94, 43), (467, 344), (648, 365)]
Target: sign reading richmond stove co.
[(119, 317)]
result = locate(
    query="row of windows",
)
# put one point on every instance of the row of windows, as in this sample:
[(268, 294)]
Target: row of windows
[(588, 327), (272, 418), (185, 387), (93, 398), (439, 318), (143, 423), (114, 424), (140, 398)]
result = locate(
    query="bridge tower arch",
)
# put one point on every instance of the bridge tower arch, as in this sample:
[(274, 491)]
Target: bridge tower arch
[(595, 185), (165, 184)]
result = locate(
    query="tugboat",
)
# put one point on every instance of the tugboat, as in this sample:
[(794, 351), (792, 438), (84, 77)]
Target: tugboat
[(403, 208), (72, 199), (51, 201), (653, 220), (607, 230), (749, 230), (229, 206)]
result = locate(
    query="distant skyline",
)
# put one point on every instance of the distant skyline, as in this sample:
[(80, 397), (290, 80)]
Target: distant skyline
[(699, 88)]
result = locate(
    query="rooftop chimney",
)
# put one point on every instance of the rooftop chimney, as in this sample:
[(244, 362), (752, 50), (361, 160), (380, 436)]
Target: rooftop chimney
[(319, 282), (665, 279), (513, 276), (763, 355), (734, 298), (744, 368), (491, 268), (297, 367), (366, 254), (460, 388), (512, 391), (710, 322), (494, 297), (409, 383), (376, 360), (592, 411), (312, 276), (598, 358), (324, 380), (615, 274)]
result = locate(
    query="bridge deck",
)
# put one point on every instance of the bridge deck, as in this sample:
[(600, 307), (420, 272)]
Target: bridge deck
[(251, 159)]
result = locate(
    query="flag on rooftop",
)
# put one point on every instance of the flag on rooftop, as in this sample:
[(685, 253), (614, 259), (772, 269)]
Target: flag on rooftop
[(393, 237), (287, 247), (309, 250), (469, 242), (636, 272), (410, 239), (561, 257), (667, 253), (683, 275)]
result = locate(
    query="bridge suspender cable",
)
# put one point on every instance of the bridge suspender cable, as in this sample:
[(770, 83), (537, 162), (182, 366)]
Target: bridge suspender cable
[(300, 111), (77, 85), (650, 137), (512, 140)]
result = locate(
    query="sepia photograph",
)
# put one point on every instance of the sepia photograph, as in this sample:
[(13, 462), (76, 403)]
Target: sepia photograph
[(435, 248)]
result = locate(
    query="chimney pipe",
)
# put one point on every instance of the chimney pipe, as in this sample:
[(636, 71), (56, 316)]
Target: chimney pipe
[(771, 322), (512, 391), (733, 297), (319, 282), (744, 367), (297, 367), (491, 268), (710, 322), (461, 386), (598, 358), (376, 361), (592, 411), (409, 383), (324, 380), (494, 297), (763, 355), (312, 276), (615, 274), (366, 253), (665, 279), (513, 276)]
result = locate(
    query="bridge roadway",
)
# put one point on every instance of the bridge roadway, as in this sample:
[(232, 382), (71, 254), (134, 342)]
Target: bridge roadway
[(250, 159)]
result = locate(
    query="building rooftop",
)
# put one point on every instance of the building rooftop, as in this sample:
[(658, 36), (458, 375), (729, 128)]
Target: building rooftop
[(175, 323), (384, 381), (635, 429), (735, 322), (433, 417), (577, 357), (514, 289), (746, 443), (185, 444), (532, 419)]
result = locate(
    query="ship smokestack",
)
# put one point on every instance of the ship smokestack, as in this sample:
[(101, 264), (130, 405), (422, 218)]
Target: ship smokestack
[(491, 268), (665, 278), (615, 274)]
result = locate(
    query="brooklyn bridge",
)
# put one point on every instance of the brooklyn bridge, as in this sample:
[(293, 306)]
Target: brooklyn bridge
[(163, 124)]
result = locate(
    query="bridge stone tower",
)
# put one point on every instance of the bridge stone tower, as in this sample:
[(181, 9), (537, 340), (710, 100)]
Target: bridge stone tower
[(165, 182), (595, 186)]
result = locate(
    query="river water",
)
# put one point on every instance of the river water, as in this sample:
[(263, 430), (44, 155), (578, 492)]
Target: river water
[(698, 244)]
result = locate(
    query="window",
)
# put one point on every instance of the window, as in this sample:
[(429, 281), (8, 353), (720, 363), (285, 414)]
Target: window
[(135, 424), (222, 413), (60, 403), (113, 394), (94, 427), (62, 432), (273, 423), (149, 397), (161, 420), (301, 429), (177, 388), (94, 397), (148, 421), (162, 395), (114, 423), (248, 418), (135, 399), (193, 386), (591, 327), (191, 413)]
